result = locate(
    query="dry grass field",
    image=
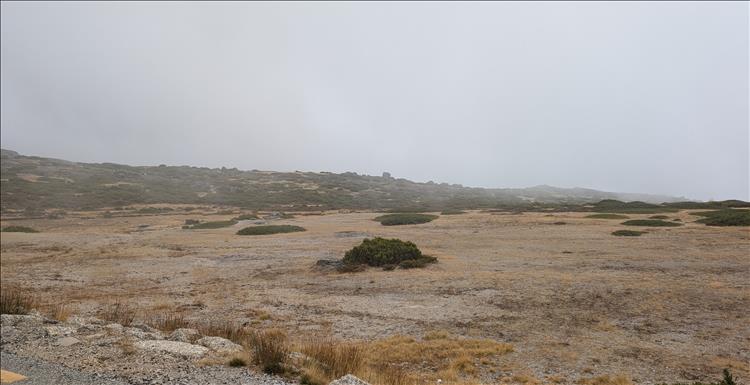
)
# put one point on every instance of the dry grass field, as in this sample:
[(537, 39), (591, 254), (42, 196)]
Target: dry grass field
[(514, 298)]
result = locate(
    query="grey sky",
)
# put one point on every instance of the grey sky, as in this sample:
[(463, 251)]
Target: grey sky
[(631, 97)]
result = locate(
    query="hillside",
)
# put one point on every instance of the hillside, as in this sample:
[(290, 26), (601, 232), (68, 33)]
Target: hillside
[(30, 183)]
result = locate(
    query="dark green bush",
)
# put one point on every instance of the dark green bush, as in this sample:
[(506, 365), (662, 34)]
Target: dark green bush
[(608, 216), (270, 229), (659, 217), (404, 219), (18, 229), (381, 252), (650, 223), (211, 225), (628, 233), (245, 217), (726, 217)]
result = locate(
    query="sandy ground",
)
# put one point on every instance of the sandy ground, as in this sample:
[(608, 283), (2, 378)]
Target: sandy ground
[(575, 301)]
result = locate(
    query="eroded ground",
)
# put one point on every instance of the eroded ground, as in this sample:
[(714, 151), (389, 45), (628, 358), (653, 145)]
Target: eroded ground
[(575, 301)]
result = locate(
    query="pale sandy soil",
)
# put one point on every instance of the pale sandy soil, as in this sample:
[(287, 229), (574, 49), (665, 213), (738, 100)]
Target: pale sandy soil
[(574, 301)]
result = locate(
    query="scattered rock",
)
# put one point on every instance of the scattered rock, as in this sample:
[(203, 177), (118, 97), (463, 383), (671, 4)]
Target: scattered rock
[(184, 335), (68, 341), (349, 380), (142, 326), (142, 335), (114, 328), (218, 344), (59, 331), (182, 349), (15, 319)]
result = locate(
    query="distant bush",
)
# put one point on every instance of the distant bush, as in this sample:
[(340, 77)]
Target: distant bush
[(190, 222), (18, 229), (452, 212), (210, 225), (615, 206), (608, 216), (726, 217), (628, 233), (404, 219), (650, 223), (659, 217), (560, 223), (246, 217), (270, 229), (387, 252)]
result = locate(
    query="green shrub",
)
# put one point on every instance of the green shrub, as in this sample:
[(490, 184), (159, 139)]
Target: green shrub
[(659, 217), (18, 229), (608, 216), (628, 233), (382, 252), (452, 212), (270, 229), (726, 217), (404, 219), (211, 225), (650, 223)]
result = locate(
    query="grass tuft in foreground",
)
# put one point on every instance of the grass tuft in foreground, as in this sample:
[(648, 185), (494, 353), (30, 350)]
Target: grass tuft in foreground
[(404, 219), (18, 229), (270, 229), (17, 301), (650, 223), (270, 350)]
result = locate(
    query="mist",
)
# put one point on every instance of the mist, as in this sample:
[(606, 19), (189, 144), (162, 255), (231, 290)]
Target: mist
[(628, 97)]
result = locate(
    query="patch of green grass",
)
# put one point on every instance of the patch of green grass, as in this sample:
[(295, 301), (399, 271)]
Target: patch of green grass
[(452, 212), (650, 223), (18, 229), (607, 216), (381, 252), (726, 217), (210, 225), (270, 229), (628, 233), (404, 219)]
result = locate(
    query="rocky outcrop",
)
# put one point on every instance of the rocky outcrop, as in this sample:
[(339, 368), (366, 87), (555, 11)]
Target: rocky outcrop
[(220, 345), (182, 349), (184, 335), (349, 380)]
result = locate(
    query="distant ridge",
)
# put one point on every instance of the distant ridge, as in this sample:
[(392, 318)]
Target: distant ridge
[(30, 182)]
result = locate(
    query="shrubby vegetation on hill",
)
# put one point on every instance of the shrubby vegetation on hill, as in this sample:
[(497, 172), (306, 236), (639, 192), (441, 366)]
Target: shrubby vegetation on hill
[(650, 223), (607, 216), (18, 229), (726, 217)]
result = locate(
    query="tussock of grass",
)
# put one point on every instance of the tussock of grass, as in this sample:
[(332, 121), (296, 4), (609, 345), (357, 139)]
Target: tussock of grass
[(118, 312), (607, 216), (270, 229), (726, 217), (404, 219), (210, 225), (650, 223), (17, 301), (168, 321), (332, 359), (628, 233), (18, 229), (270, 350), (606, 380)]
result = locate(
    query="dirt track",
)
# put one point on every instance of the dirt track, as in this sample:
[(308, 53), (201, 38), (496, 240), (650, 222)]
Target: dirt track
[(574, 300)]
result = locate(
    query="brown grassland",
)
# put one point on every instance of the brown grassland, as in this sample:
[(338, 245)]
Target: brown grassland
[(514, 298)]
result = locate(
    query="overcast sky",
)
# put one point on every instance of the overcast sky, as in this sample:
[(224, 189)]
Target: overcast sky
[(629, 97)]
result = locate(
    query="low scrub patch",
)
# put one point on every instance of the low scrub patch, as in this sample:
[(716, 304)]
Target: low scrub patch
[(118, 312), (270, 229), (381, 252), (452, 212), (18, 229), (246, 217), (608, 216), (628, 233), (331, 359), (17, 301), (659, 217), (404, 219), (210, 225), (726, 217), (650, 223), (270, 350), (727, 379)]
